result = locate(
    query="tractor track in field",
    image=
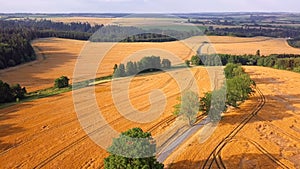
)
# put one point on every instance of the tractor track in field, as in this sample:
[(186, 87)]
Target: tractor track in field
[(66, 123), (167, 120), (215, 155)]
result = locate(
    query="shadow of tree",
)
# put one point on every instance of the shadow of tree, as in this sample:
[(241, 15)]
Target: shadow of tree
[(7, 128)]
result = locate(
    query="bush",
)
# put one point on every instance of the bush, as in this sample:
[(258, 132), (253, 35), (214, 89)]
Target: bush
[(11, 93), (297, 69), (18, 91), (61, 82)]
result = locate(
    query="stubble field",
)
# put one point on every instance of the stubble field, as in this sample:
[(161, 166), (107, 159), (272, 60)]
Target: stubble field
[(46, 132)]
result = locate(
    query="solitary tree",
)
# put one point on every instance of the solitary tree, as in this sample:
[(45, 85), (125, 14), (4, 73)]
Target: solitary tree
[(61, 82), (258, 53), (133, 149)]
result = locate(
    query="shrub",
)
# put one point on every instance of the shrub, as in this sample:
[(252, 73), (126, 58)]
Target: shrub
[(61, 82)]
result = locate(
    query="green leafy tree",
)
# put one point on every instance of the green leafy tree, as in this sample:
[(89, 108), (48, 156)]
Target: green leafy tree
[(205, 102), (166, 63), (18, 91), (238, 89), (5, 93), (188, 63), (195, 60), (189, 106), (117, 73), (130, 69), (229, 70), (133, 149), (122, 70), (213, 104), (61, 82)]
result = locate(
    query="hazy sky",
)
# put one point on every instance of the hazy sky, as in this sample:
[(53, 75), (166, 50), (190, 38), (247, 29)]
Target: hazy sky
[(147, 6)]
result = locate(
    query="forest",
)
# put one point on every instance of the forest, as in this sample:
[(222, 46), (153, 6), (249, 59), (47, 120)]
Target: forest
[(16, 37), (252, 31)]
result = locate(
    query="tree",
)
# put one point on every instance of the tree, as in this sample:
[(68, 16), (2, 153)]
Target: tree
[(18, 91), (133, 149), (122, 70), (195, 60), (61, 82), (205, 102), (115, 67), (189, 106), (238, 89), (5, 93), (229, 70), (188, 63), (257, 53), (130, 69), (166, 63)]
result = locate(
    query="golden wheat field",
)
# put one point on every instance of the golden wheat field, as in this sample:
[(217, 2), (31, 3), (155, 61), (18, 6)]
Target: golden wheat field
[(270, 139), (61, 55), (49, 134)]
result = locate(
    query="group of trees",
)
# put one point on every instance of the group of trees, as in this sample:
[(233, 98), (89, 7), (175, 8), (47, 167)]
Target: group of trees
[(133, 149), (10, 93), (238, 88), (146, 64), (239, 84)]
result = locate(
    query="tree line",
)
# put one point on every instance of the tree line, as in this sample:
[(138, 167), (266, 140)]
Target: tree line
[(248, 31), (146, 64), (278, 61), (115, 33)]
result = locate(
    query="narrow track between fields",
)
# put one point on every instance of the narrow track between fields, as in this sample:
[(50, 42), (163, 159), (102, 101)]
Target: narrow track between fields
[(215, 155)]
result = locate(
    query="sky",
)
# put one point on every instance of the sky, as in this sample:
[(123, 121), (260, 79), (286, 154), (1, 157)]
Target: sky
[(147, 6)]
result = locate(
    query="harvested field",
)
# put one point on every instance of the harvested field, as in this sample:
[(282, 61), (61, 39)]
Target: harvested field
[(53, 137), (57, 57), (61, 55), (36, 136), (269, 139), (241, 46), (91, 20)]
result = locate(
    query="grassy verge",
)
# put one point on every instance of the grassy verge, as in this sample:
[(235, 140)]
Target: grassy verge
[(56, 91)]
